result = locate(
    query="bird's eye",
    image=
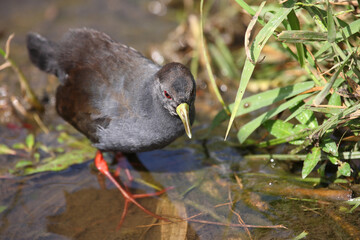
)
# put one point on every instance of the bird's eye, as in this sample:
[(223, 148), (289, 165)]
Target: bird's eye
[(167, 95)]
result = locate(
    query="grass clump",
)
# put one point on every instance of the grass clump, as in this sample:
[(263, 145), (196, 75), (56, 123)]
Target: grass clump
[(317, 112)]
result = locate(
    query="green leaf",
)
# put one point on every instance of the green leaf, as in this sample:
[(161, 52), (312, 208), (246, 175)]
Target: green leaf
[(263, 99), (6, 150), (30, 141), (246, 7), (74, 142), (259, 42), (281, 129), (3, 208), (294, 139), (328, 145), (307, 117), (311, 161), (23, 163), (304, 116), (335, 99), (250, 127), (62, 161), (37, 157), (333, 160), (19, 146), (297, 109), (300, 236), (270, 97), (295, 25), (355, 202), (344, 169), (43, 147)]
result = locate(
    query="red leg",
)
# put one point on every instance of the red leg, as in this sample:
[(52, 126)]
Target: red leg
[(102, 166), (143, 195), (126, 207)]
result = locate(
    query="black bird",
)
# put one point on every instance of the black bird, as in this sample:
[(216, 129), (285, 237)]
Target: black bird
[(116, 97)]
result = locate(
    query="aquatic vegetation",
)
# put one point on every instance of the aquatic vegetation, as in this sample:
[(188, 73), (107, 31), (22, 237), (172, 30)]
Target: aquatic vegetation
[(318, 111)]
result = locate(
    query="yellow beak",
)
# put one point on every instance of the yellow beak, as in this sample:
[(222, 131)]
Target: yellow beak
[(183, 111)]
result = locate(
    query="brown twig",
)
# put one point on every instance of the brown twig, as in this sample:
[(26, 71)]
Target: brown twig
[(191, 219), (216, 223), (240, 220)]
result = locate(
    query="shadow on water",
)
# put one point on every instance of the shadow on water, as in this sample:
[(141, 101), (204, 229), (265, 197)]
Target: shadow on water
[(209, 177)]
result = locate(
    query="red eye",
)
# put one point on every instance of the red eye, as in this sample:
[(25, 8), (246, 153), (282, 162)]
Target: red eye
[(167, 95)]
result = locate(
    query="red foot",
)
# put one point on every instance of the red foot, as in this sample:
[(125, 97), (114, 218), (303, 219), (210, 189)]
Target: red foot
[(102, 166)]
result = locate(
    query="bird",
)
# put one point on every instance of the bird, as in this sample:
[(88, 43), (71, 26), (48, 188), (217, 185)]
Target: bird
[(115, 96)]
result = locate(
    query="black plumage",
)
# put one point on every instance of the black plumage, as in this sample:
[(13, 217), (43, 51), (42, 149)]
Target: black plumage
[(110, 92)]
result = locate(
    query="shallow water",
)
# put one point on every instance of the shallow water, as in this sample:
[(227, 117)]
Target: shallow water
[(78, 204), (209, 177)]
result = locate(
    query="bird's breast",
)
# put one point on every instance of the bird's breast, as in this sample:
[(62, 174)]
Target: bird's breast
[(139, 134)]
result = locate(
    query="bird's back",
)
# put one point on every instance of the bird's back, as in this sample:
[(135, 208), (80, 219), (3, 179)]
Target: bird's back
[(96, 77)]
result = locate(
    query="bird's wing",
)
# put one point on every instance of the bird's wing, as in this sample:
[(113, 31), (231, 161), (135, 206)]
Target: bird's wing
[(99, 77)]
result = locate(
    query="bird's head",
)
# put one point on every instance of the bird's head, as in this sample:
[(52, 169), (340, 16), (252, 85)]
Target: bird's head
[(176, 90)]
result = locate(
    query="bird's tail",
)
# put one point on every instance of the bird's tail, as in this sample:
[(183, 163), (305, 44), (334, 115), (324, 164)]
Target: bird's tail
[(43, 53)]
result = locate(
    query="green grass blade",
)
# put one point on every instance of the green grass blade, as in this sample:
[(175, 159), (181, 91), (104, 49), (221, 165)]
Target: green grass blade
[(311, 161), (270, 97), (327, 110), (208, 66), (226, 53), (330, 24), (258, 44), (305, 116), (263, 99), (329, 145), (250, 127), (220, 61), (252, 12), (247, 8), (295, 25), (348, 31), (300, 36), (280, 129), (298, 136)]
